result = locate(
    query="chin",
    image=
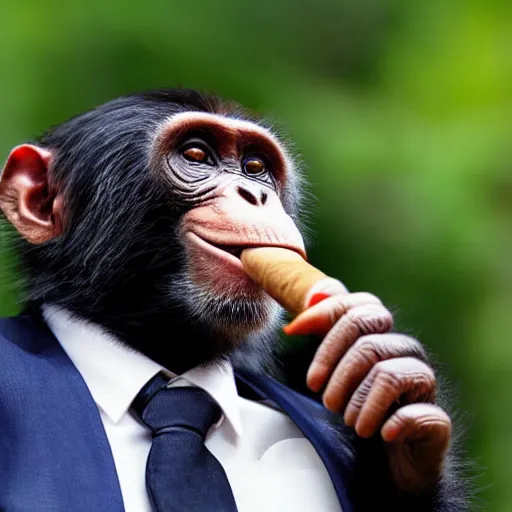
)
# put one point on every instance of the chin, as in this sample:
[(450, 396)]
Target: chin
[(231, 316)]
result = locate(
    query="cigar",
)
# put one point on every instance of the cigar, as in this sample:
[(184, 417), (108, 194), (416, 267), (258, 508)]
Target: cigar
[(283, 274)]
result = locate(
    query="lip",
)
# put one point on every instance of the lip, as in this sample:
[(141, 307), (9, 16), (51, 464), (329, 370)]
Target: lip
[(215, 248)]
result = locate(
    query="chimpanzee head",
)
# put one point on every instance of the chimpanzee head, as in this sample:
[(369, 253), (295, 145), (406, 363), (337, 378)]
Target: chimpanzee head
[(134, 214)]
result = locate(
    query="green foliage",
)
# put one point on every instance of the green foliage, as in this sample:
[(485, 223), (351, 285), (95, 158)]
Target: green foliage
[(401, 112)]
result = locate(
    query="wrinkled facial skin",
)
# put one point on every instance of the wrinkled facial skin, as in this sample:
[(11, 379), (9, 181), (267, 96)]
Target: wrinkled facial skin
[(227, 145), (230, 174), (154, 196)]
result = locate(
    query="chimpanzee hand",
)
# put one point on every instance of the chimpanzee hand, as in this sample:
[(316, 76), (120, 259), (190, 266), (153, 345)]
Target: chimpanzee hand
[(381, 381)]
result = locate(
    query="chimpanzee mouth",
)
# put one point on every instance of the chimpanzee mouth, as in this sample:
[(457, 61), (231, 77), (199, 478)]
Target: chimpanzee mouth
[(231, 249), (235, 251), (230, 252)]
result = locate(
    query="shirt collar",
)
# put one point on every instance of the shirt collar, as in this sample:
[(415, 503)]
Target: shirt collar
[(114, 373)]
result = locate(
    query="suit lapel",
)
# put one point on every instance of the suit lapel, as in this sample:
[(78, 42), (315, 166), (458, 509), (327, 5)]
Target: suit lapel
[(305, 414), (69, 465), (74, 468)]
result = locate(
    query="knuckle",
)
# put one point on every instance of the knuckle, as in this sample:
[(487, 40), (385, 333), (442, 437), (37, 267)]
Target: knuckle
[(362, 359), (425, 386), (386, 320), (443, 417), (338, 308), (357, 401), (381, 367), (371, 319), (413, 347), (437, 426), (426, 371), (393, 345), (366, 349), (440, 415), (411, 365), (359, 397), (421, 383), (386, 375)]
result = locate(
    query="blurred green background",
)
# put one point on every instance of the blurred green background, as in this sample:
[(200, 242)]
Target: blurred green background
[(401, 112)]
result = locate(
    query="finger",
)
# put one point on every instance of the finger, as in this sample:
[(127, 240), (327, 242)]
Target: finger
[(324, 288), (360, 358), (418, 436), (360, 320), (427, 423), (321, 316), (387, 382)]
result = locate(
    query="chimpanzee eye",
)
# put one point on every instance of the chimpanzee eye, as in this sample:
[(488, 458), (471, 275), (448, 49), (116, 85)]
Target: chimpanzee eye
[(195, 154), (253, 165)]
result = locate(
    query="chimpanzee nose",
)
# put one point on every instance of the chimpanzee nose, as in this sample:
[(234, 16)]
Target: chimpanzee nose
[(253, 196)]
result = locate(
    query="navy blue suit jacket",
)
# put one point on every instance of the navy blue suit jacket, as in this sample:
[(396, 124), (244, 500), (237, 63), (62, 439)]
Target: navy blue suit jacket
[(54, 453)]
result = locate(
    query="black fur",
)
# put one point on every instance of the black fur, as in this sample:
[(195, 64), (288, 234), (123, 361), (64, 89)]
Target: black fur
[(119, 252), (119, 260)]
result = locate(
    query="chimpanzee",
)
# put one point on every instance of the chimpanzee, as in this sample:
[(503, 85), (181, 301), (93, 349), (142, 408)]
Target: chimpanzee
[(132, 219)]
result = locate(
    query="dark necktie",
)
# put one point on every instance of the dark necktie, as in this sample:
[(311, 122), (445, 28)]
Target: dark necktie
[(182, 475)]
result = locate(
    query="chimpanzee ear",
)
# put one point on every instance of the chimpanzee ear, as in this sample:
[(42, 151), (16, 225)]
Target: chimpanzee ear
[(25, 196)]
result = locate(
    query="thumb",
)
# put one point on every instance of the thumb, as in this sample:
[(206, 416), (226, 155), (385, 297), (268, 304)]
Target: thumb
[(320, 302), (322, 289)]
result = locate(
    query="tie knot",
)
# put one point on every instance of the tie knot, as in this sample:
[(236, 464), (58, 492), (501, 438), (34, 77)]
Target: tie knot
[(162, 408)]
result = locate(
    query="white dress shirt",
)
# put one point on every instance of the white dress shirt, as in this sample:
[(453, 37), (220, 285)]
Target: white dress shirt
[(270, 465)]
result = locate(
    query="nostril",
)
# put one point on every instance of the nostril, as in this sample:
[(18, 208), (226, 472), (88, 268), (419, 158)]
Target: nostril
[(264, 197), (248, 196)]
